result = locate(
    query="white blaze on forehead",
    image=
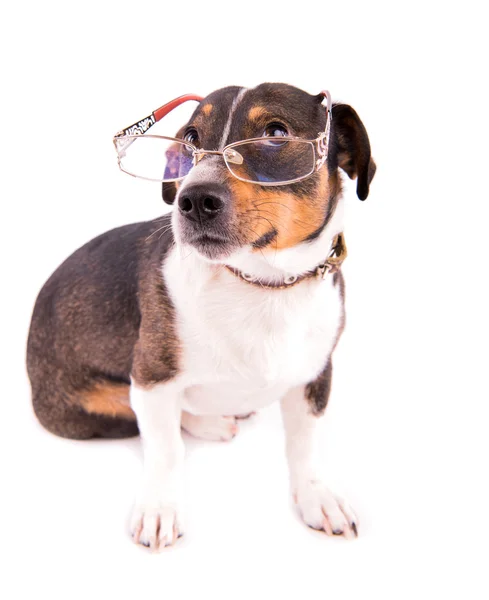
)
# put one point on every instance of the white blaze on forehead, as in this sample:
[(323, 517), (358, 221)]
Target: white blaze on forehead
[(227, 128), (210, 169)]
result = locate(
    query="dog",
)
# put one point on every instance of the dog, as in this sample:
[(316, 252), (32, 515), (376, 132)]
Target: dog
[(232, 301)]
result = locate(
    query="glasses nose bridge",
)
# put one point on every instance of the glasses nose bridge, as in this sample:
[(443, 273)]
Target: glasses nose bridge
[(199, 154)]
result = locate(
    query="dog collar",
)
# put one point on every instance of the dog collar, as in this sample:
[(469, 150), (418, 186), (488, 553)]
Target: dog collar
[(332, 264)]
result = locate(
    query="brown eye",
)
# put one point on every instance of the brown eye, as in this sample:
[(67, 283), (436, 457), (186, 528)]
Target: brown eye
[(275, 130), (192, 137)]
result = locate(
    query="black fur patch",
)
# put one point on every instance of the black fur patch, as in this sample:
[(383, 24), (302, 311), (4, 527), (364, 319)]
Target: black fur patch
[(265, 239), (317, 392), (351, 149), (329, 213)]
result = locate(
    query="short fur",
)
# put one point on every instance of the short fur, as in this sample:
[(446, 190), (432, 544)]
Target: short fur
[(87, 328), (144, 321)]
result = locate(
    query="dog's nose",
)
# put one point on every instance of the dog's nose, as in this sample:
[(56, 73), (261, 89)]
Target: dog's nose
[(201, 202)]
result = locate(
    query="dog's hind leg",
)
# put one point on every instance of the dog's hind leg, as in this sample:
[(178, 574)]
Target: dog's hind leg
[(210, 427), (100, 411)]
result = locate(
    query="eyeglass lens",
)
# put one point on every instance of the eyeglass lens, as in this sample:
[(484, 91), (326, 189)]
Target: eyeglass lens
[(261, 161), (268, 161), (155, 158)]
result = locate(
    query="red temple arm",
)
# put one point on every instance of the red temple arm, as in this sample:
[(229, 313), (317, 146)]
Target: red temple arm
[(166, 108), (144, 124)]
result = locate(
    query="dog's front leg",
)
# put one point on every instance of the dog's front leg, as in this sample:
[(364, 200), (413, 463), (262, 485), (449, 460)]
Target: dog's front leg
[(302, 410), (157, 520)]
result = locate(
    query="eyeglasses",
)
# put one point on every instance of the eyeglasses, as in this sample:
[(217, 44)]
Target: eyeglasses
[(267, 161)]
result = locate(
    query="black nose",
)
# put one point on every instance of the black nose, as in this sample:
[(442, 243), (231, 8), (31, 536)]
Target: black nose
[(202, 202)]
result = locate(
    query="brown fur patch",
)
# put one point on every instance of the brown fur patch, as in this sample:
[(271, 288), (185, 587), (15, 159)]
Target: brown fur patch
[(207, 109), (294, 217), (108, 399), (157, 351), (256, 112)]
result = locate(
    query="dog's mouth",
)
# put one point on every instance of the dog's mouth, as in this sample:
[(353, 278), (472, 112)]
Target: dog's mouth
[(211, 246)]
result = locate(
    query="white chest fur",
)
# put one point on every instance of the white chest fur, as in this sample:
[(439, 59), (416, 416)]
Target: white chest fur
[(243, 346)]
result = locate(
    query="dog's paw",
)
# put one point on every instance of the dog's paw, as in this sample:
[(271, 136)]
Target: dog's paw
[(155, 527), (210, 427), (321, 509)]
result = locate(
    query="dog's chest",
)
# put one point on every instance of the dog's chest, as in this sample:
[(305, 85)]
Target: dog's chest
[(242, 347)]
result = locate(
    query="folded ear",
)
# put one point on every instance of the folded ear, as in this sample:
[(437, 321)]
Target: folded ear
[(169, 191), (353, 147)]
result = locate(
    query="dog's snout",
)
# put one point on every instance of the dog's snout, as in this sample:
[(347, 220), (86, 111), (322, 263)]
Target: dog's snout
[(202, 202)]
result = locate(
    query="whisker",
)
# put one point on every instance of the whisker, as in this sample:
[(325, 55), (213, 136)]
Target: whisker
[(162, 234), (260, 249), (277, 203), (165, 227), (279, 225), (295, 220), (288, 208)]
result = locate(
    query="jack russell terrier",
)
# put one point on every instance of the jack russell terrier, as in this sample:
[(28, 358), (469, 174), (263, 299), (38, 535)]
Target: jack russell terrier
[(233, 301)]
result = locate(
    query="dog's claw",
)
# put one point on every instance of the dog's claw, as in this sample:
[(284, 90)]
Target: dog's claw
[(245, 416), (155, 528), (321, 509)]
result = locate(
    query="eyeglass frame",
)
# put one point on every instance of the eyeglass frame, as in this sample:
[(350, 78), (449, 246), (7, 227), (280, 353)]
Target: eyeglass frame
[(320, 144)]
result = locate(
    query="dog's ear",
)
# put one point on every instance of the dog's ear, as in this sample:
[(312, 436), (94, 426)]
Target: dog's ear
[(353, 147), (169, 191)]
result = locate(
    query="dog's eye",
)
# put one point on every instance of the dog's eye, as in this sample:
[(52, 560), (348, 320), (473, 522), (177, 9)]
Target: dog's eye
[(192, 137), (275, 130)]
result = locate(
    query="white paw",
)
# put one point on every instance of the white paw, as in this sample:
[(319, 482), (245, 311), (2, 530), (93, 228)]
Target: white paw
[(155, 527), (210, 427), (321, 509)]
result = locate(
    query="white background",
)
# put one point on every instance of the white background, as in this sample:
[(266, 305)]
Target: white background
[(406, 429)]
